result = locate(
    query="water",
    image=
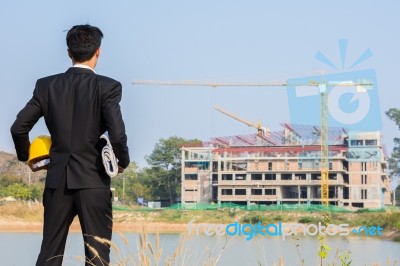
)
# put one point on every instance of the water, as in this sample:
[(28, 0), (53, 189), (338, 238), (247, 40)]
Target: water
[(21, 249)]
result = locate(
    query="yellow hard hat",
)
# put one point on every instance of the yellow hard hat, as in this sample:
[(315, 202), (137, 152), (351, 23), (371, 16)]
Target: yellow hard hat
[(39, 149)]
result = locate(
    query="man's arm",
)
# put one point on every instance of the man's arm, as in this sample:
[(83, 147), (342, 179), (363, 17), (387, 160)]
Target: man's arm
[(26, 119), (114, 123)]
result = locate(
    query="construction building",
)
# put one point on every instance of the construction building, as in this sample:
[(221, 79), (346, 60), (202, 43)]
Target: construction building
[(283, 167)]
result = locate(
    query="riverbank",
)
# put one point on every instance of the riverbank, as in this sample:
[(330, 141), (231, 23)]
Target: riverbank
[(8, 226), (28, 217)]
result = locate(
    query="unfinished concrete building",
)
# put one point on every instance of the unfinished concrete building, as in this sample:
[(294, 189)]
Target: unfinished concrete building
[(283, 167)]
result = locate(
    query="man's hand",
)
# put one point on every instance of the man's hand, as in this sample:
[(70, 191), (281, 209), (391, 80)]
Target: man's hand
[(35, 169), (31, 167), (120, 169)]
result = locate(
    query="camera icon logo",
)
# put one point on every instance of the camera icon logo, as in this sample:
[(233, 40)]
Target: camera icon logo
[(353, 100)]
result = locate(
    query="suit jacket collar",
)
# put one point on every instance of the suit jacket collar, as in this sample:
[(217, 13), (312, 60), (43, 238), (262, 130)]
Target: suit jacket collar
[(79, 70)]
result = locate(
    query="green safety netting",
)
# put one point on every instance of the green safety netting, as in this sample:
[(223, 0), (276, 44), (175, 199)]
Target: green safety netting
[(251, 207)]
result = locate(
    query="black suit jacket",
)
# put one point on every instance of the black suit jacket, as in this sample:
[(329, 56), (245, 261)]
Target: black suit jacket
[(78, 106)]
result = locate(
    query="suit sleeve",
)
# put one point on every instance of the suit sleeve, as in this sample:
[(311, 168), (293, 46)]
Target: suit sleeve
[(114, 123), (23, 124)]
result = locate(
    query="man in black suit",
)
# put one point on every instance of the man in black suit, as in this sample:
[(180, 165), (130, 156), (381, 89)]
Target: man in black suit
[(78, 106)]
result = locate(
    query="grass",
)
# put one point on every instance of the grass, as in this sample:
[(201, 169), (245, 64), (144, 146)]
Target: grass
[(22, 211)]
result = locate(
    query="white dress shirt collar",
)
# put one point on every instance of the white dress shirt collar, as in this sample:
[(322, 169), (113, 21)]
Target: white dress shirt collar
[(84, 66)]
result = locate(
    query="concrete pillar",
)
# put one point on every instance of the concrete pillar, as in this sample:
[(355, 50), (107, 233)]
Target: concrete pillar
[(340, 196), (183, 176)]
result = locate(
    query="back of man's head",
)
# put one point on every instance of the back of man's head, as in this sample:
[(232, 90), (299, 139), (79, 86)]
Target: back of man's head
[(83, 42)]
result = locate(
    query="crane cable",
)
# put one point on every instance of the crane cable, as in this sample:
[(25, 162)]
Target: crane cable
[(110, 162)]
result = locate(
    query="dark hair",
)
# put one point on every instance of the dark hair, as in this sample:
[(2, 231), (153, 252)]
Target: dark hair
[(83, 41)]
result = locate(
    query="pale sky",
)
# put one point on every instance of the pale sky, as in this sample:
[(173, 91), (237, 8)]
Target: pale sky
[(205, 40)]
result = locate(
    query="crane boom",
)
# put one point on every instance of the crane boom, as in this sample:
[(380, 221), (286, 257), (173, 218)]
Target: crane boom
[(250, 124), (209, 83), (261, 130)]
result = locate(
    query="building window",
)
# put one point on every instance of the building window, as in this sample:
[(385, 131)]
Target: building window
[(240, 177), (330, 166), (300, 177), (190, 176), (356, 142), (363, 166), (286, 177), (363, 194), (215, 166), (371, 142), (270, 176), (240, 191), (269, 165), (363, 179), (227, 177), (256, 176), (300, 164), (227, 192), (270, 191), (256, 191), (239, 166)]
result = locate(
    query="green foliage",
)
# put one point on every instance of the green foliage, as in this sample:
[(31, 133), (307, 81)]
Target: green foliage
[(345, 258), (36, 191), (6, 180), (306, 220), (130, 185), (254, 219), (323, 247), (394, 160), (278, 218), (390, 221), (21, 191), (160, 181), (167, 154), (163, 176)]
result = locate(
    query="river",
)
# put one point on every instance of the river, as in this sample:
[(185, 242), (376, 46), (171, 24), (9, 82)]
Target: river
[(20, 249)]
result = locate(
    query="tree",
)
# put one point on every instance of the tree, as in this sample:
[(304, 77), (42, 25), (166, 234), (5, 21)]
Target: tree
[(19, 191), (130, 185), (164, 173), (394, 160)]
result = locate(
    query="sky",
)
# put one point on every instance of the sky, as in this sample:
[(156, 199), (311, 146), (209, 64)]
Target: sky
[(207, 40)]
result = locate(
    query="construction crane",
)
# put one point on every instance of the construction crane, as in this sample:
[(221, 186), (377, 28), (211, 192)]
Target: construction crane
[(261, 131), (324, 112)]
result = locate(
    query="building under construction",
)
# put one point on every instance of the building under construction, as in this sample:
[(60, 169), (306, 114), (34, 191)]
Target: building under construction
[(283, 167)]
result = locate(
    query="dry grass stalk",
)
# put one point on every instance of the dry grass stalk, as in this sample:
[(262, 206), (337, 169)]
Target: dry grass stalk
[(159, 251), (280, 261), (95, 254), (178, 251), (126, 242), (107, 242), (151, 250)]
